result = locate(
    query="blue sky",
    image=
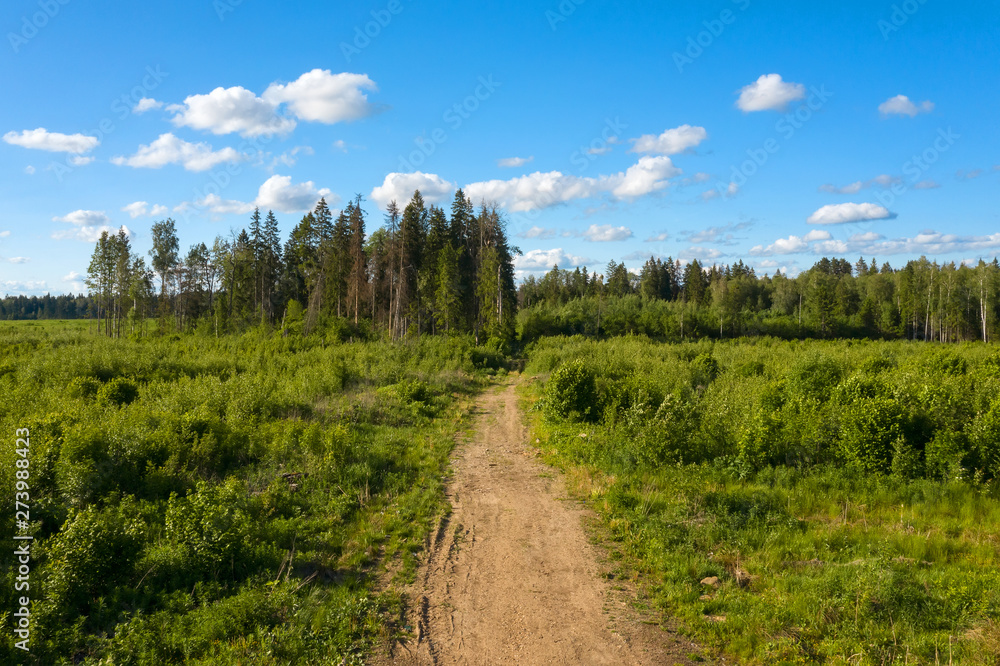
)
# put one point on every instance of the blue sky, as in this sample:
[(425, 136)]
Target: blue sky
[(771, 132)]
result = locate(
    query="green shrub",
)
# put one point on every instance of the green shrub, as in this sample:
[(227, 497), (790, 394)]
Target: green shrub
[(815, 377), (869, 431), (571, 393), (704, 369), (118, 391)]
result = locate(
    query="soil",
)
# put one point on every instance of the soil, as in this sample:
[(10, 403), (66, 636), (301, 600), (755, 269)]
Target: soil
[(510, 576)]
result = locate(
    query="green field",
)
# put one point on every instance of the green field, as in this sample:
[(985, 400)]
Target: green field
[(224, 501), (244, 499), (844, 494)]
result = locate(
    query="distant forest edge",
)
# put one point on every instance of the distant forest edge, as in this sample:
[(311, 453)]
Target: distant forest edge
[(424, 272)]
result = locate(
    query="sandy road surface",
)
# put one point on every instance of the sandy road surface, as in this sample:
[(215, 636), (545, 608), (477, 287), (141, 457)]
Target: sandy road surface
[(510, 576)]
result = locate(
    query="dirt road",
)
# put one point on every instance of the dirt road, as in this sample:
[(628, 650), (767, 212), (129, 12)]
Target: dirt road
[(510, 576)]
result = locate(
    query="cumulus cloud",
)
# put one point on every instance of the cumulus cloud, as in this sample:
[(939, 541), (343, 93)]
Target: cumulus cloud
[(702, 254), (719, 234), (769, 92), (322, 97), (316, 96), (968, 175), (399, 187), (280, 194), (606, 233), (146, 104), (80, 160), (789, 245), (276, 193), (512, 162), (927, 185), (30, 170), (671, 142), (23, 287), (648, 176), (229, 110), (290, 157), (19, 260), (4, 234), (168, 149), (882, 180), (900, 105), (543, 260), (88, 225), (849, 212), (141, 208), (42, 139), (658, 238)]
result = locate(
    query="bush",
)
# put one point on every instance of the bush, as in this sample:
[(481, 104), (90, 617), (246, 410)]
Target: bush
[(571, 393), (869, 431), (704, 369), (118, 391), (815, 377)]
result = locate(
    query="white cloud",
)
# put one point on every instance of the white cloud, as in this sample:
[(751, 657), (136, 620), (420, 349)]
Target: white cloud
[(79, 160), (30, 170), (866, 237), (399, 187), (849, 212), (658, 238), (600, 150), (4, 234), (789, 245), (290, 157), (534, 191), (19, 260), (671, 142), (140, 208), (23, 287), (511, 162), (538, 233), (900, 105), (543, 260), (136, 209), (831, 247), (927, 185), (323, 97), (648, 176), (88, 226), (769, 92), (278, 193), (968, 175), (146, 104), (168, 149), (606, 233), (817, 235), (228, 110), (340, 145), (42, 139), (72, 276)]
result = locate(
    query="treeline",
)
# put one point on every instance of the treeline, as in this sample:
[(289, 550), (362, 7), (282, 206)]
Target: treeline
[(64, 306), (422, 272), (923, 300)]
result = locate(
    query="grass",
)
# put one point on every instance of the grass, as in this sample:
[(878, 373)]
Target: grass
[(819, 561), (219, 501)]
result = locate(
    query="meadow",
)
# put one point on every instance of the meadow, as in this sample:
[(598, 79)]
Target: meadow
[(790, 502), (222, 500)]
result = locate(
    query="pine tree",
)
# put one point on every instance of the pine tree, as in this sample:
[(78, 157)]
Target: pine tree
[(358, 276), (413, 232)]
